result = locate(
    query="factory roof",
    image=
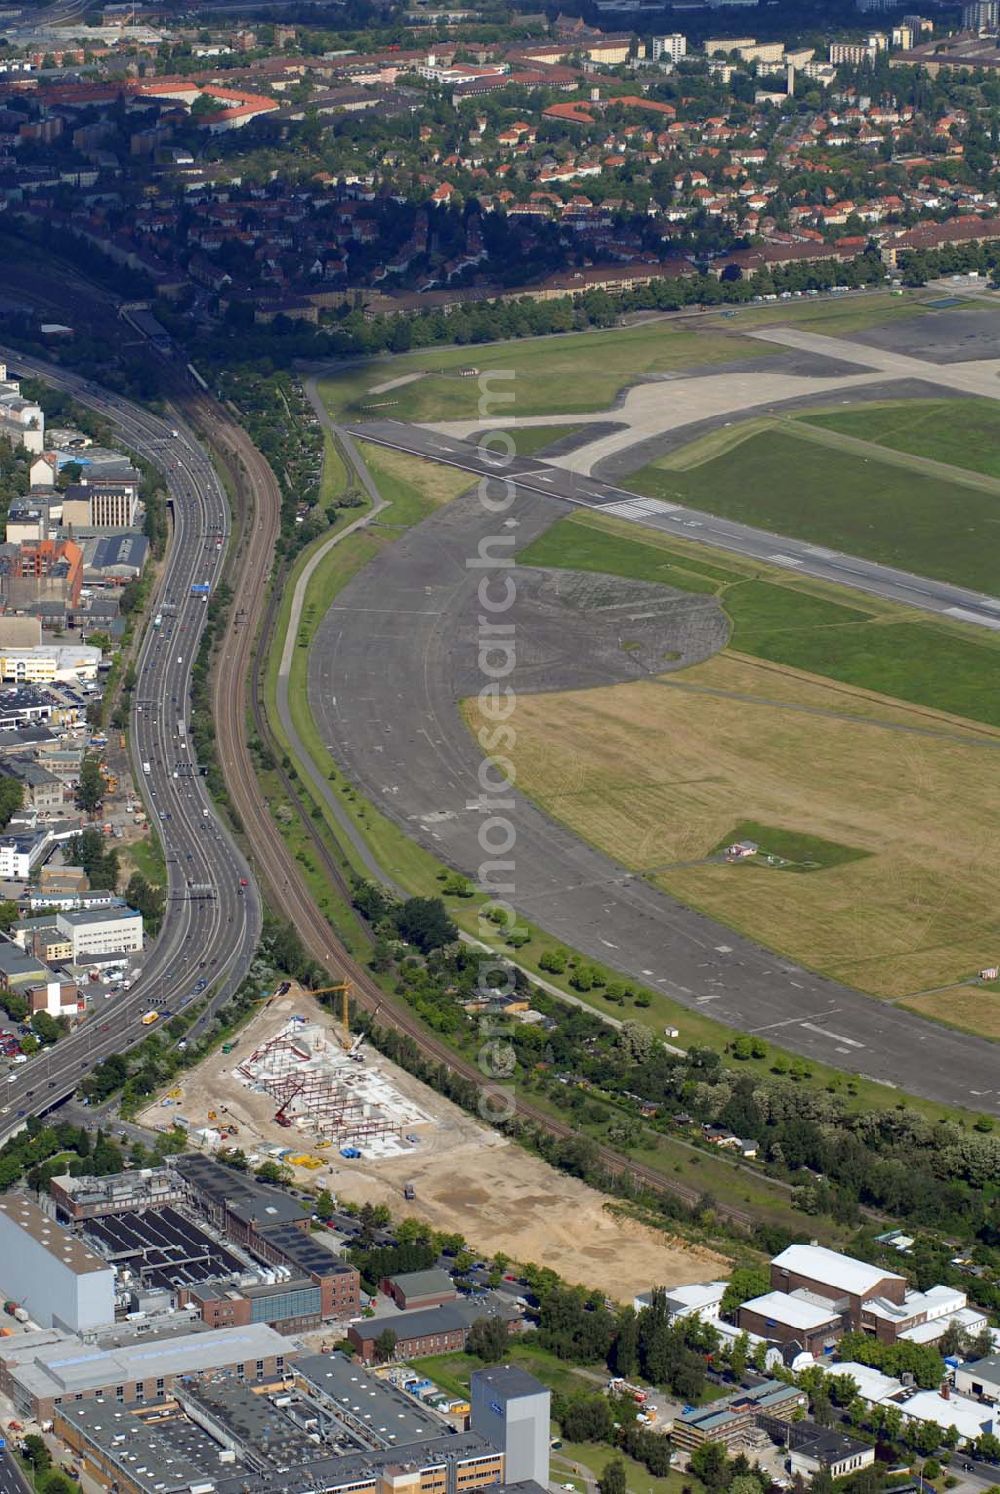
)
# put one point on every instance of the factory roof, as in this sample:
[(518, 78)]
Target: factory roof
[(393, 1418), (253, 1420), (69, 1366), (305, 1251), (791, 1310), (247, 1200), (333, 1474), (63, 1247), (147, 1457), (507, 1382), (831, 1268)]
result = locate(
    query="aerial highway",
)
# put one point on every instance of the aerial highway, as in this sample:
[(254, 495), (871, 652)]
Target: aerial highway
[(213, 916)]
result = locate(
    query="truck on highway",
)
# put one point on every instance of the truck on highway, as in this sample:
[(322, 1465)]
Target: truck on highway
[(149, 1019), (146, 768), (157, 620)]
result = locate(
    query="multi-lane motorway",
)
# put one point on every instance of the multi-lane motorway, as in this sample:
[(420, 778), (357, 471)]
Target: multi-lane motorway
[(213, 922)]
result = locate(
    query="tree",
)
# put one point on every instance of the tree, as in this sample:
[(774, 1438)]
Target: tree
[(709, 1462), (325, 1206), (745, 1282), (488, 1340), (46, 1028), (425, 923), (9, 914), (385, 1346), (36, 1453), (614, 1479), (11, 799), (90, 789)]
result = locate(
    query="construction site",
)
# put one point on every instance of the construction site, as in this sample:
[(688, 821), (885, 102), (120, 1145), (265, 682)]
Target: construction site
[(328, 1093), (457, 1174)]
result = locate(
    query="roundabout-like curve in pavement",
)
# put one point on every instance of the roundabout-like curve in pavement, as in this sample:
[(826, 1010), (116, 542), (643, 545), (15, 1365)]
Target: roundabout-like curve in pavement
[(388, 667)]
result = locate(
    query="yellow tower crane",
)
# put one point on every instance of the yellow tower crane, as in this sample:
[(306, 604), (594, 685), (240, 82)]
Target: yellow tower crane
[(345, 987)]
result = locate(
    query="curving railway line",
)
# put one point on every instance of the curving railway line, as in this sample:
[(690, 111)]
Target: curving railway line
[(289, 895)]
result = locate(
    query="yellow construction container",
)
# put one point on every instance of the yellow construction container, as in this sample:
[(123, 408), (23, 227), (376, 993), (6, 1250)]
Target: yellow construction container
[(173, 1094), (212, 1115), (305, 1160)]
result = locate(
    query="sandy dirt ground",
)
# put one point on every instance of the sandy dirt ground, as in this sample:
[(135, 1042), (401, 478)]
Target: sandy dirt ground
[(467, 1178)]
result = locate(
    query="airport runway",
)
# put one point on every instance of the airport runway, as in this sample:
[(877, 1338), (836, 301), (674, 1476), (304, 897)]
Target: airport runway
[(534, 475), (389, 663)]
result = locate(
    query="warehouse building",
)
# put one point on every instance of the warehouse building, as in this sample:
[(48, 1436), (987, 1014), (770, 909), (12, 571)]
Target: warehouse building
[(54, 1275), (812, 1323), (980, 1378), (842, 1280), (42, 1376), (96, 933), (415, 1289)]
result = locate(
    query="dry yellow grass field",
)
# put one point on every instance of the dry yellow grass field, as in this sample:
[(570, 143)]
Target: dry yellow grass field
[(975, 1007), (657, 773)]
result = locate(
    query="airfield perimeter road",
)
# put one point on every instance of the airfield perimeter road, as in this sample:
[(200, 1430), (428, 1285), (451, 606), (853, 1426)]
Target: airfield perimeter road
[(390, 661), (212, 925)]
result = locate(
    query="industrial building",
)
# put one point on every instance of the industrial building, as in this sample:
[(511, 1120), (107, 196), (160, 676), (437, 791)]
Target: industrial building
[(510, 1409), (818, 1294), (411, 1290), (330, 1426), (42, 1372), (431, 1330), (251, 1259), (274, 1228), (730, 1419), (94, 933), (51, 1273)]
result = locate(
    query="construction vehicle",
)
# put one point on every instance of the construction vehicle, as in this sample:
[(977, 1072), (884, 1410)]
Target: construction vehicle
[(354, 1052), (212, 1115), (409, 1191), (617, 1386)]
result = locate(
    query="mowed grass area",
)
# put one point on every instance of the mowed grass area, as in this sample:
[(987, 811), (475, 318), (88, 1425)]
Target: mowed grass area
[(971, 1008), (453, 1372), (962, 432), (791, 850), (559, 375), (528, 439), (834, 316), (790, 620), (657, 773), (783, 481)]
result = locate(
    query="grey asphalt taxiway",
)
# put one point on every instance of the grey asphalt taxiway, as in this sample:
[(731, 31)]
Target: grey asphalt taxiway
[(391, 660)]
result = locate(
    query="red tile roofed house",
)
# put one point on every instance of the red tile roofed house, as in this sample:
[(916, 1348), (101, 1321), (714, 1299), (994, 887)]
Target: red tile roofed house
[(574, 112), (444, 193)]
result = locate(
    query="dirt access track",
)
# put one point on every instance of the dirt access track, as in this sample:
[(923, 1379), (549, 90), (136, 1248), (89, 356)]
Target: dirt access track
[(468, 1178)]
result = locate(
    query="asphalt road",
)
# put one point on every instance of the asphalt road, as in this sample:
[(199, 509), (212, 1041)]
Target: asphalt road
[(212, 923), (537, 476), (390, 661), (12, 1480)]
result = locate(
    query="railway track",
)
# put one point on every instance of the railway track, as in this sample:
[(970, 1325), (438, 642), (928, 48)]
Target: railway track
[(243, 648)]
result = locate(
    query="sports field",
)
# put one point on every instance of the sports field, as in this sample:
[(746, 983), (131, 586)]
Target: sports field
[(790, 620), (793, 480), (660, 773), (542, 376), (964, 432)]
